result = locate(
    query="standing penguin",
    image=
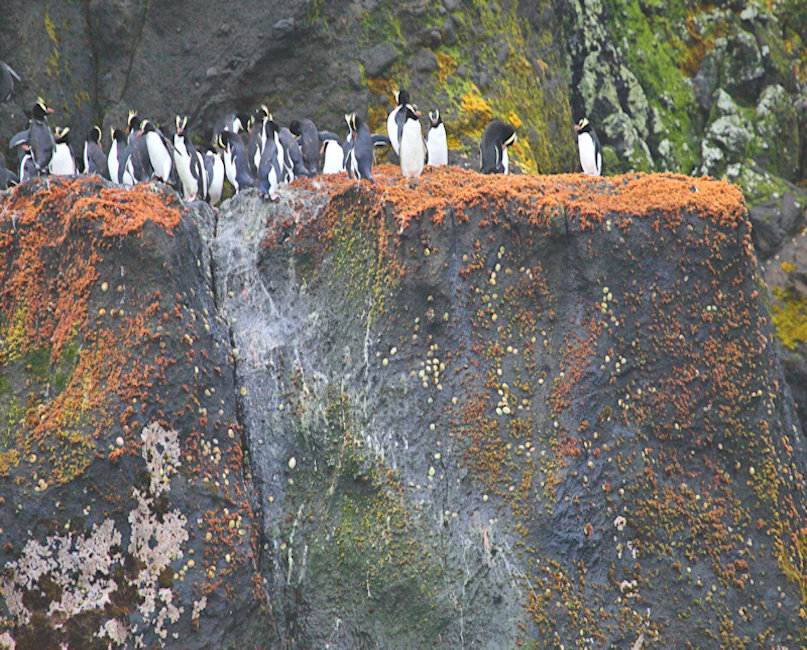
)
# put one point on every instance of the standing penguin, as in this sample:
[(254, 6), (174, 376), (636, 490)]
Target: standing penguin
[(308, 138), (214, 172), (394, 122), (230, 121), (497, 137), (95, 162), (411, 144), (40, 137), (359, 163), (332, 153), (62, 162), (159, 151), (293, 166), (132, 127), (436, 142), (7, 177), (27, 166), (115, 157), (7, 77), (257, 138), (189, 163), (235, 160), (270, 170), (588, 144)]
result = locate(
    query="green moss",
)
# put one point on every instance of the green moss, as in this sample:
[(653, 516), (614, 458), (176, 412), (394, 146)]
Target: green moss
[(790, 317)]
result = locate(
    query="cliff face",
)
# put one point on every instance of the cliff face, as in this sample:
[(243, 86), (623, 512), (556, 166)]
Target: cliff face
[(476, 411)]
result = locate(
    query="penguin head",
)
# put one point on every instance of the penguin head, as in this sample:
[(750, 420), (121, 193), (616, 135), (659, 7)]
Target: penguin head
[(94, 135), (61, 135), (117, 135), (411, 112), (401, 97), (510, 140), (434, 118), (351, 122), (182, 124), (40, 110), (133, 123), (146, 126), (240, 120), (262, 113), (295, 128), (583, 126)]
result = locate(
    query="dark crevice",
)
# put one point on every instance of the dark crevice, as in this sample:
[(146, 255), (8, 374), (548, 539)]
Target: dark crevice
[(96, 90), (134, 49)]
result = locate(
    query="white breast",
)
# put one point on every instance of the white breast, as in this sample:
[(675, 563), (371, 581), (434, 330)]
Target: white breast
[(62, 163), (437, 145), (158, 155), (588, 158), (505, 160), (183, 162), (334, 158), (392, 129), (217, 181), (112, 161), (412, 152), (229, 166)]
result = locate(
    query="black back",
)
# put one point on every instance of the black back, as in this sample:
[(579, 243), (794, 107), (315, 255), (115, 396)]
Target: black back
[(7, 77), (496, 134)]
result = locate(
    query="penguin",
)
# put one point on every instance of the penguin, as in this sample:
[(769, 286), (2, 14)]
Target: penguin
[(308, 139), (214, 173), (588, 145), (230, 121), (95, 162), (136, 164), (331, 152), (412, 152), (189, 163), (159, 151), (115, 158), (7, 77), (257, 139), (7, 177), (360, 155), (62, 162), (235, 160), (436, 143), (293, 166), (40, 137), (393, 121), (27, 167), (132, 127), (493, 156), (270, 171)]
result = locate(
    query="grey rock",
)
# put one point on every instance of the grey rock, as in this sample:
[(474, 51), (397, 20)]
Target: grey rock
[(378, 58), (619, 131), (424, 60)]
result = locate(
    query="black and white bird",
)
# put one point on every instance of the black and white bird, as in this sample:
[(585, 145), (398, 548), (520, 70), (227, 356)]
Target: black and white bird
[(40, 137), (7, 78), (95, 162), (230, 121), (493, 156), (159, 151), (214, 172), (394, 122), (257, 138), (359, 156), (588, 145), (235, 160), (270, 170), (412, 151), (7, 177), (293, 165), (116, 156), (308, 138), (136, 163), (436, 142), (62, 162), (189, 163), (132, 127), (27, 166), (333, 160)]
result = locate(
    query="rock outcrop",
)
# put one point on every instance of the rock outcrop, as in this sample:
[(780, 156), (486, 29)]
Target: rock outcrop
[(468, 411)]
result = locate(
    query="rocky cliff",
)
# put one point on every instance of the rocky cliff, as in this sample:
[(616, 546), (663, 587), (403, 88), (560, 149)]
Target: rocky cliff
[(472, 411)]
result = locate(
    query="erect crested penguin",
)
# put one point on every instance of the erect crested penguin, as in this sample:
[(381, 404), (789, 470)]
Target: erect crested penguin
[(27, 166), (95, 162), (588, 144), (436, 142), (270, 170), (293, 166), (235, 160), (115, 158), (497, 137), (332, 152), (393, 121), (189, 164), (62, 162), (7, 177), (257, 138), (230, 121), (40, 137), (308, 138), (158, 149), (7, 77), (136, 161), (360, 155), (214, 172), (132, 127), (412, 150)]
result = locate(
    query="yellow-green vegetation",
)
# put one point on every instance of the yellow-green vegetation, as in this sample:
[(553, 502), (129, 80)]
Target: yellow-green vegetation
[(52, 61), (790, 317)]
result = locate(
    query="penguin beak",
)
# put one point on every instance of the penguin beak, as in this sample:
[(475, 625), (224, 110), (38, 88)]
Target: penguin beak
[(576, 127)]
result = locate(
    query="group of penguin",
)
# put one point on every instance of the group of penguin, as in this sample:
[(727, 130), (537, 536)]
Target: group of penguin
[(254, 151)]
